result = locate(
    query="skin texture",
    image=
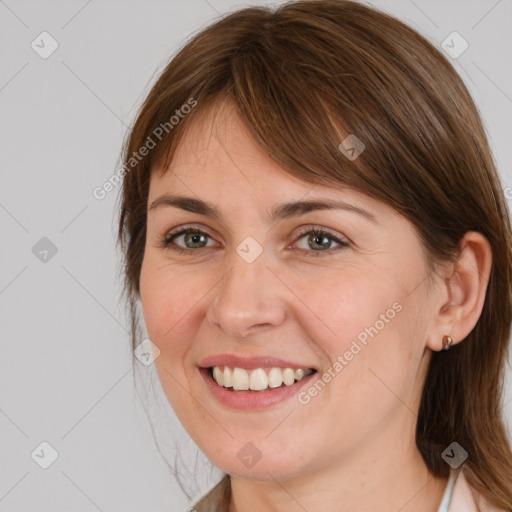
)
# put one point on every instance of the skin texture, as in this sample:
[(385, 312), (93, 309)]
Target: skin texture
[(352, 447)]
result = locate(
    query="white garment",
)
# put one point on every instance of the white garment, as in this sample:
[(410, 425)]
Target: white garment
[(447, 496)]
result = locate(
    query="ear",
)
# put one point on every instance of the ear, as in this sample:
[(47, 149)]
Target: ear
[(462, 293)]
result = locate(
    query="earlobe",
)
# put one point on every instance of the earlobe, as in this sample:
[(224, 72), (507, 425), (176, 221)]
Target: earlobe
[(465, 287)]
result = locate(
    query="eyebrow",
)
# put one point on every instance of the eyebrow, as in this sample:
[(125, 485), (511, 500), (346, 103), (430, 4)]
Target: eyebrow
[(280, 212)]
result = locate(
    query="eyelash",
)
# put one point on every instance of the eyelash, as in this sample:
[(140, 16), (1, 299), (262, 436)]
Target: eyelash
[(166, 241)]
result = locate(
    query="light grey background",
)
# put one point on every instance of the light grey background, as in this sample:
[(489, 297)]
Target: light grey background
[(65, 365)]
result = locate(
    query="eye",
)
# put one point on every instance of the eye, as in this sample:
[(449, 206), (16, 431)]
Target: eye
[(192, 237), (320, 241)]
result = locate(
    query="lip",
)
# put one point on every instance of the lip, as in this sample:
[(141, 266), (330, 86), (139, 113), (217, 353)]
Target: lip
[(250, 363), (252, 400)]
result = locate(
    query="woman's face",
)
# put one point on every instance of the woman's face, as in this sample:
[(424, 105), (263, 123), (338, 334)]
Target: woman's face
[(258, 292)]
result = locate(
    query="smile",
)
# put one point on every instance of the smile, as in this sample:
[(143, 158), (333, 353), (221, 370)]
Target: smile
[(258, 379), (255, 387)]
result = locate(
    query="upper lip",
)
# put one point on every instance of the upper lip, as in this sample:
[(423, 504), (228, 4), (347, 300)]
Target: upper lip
[(249, 363)]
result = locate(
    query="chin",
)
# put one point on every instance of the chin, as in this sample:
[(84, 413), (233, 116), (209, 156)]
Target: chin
[(249, 462)]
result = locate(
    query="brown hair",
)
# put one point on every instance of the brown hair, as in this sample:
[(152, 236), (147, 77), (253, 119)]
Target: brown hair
[(302, 77)]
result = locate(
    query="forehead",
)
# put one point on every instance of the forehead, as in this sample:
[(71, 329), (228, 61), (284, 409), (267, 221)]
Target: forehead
[(217, 150), (219, 161), (215, 142)]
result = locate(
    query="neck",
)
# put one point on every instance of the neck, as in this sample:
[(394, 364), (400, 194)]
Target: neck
[(377, 483)]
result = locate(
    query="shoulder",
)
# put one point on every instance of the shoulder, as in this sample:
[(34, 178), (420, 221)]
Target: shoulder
[(466, 498), (216, 500)]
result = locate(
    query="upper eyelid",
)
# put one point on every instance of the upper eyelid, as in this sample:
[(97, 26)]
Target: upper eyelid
[(184, 229)]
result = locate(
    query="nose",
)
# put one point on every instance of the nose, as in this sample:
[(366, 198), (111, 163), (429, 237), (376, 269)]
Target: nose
[(247, 300)]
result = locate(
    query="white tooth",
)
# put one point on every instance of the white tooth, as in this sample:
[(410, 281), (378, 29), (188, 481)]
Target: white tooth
[(275, 378), (299, 374), (258, 380), (288, 376), (240, 379), (227, 377), (218, 375)]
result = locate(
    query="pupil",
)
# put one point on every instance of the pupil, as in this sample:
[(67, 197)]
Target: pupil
[(322, 239), (194, 237)]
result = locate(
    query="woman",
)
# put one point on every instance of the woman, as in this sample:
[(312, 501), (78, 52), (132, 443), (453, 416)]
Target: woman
[(313, 223)]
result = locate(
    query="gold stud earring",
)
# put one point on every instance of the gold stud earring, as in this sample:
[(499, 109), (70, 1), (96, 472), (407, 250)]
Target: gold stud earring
[(447, 342)]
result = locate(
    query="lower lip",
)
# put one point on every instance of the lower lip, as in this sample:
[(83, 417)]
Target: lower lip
[(252, 400)]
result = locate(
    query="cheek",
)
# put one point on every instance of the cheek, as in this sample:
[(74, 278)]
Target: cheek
[(361, 326), (339, 309), (167, 305)]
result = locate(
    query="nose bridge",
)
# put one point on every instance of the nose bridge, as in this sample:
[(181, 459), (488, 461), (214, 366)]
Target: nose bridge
[(246, 297)]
